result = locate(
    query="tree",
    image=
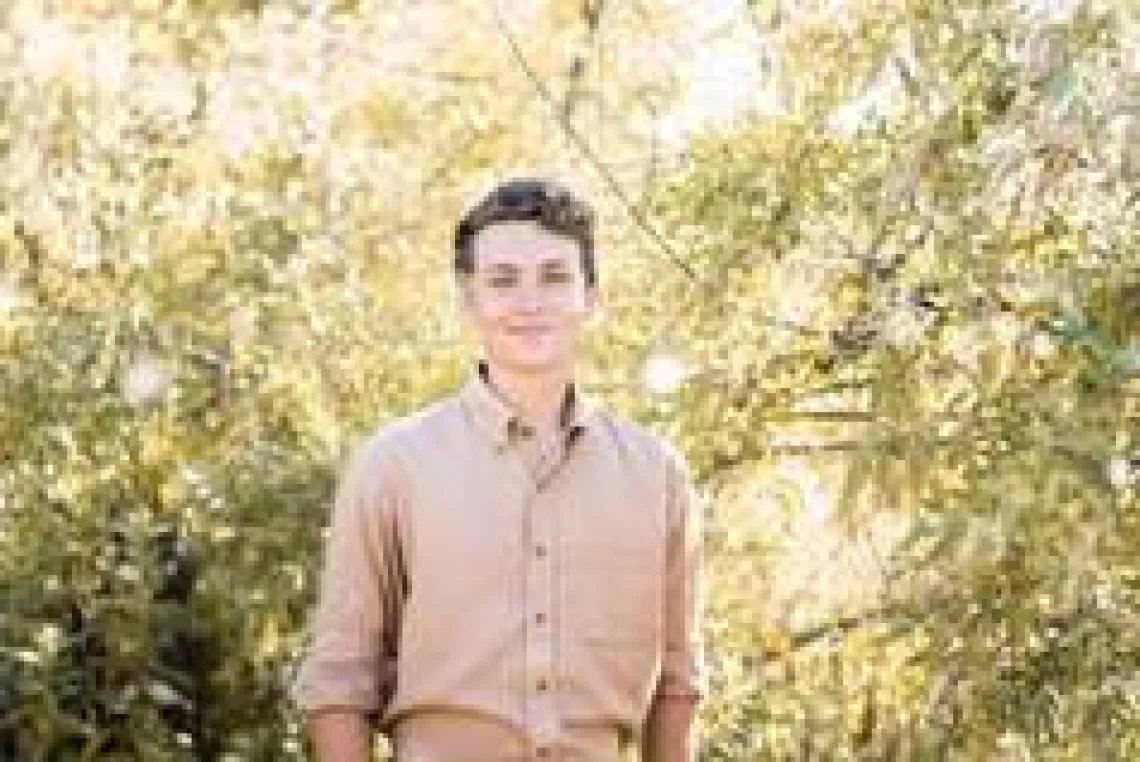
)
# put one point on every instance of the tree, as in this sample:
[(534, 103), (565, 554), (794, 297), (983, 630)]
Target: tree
[(921, 270), (204, 200)]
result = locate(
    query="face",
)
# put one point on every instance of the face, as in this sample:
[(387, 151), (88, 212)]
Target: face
[(527, 298)]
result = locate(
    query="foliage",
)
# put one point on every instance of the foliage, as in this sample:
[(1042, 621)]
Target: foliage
[(925, 269), (901, 293)]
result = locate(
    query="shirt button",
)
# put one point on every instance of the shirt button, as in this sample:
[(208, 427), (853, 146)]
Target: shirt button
[(540, 618), (540, 551), (542, 684)]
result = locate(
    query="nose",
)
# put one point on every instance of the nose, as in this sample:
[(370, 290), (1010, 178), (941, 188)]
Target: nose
[(528, 298)]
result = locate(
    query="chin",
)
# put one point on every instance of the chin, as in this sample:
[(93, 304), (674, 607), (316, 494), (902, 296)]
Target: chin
[(535, 365), (530, 363)]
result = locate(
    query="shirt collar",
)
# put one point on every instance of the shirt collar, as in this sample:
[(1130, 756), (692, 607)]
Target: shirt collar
[(498, 419)]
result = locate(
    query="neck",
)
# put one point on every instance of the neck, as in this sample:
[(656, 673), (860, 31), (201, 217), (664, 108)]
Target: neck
[(537, 398)]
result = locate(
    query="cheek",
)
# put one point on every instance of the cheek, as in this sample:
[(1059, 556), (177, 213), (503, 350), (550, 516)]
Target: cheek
[(486, 315)]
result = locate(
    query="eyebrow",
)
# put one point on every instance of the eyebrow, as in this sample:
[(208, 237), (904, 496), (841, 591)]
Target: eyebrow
[(550, 264)]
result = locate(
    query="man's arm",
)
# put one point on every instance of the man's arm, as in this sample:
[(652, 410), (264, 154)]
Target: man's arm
[(668, 732), (348, 672), (340, 736)]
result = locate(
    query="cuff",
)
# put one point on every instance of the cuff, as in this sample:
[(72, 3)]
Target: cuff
[(342, 685)]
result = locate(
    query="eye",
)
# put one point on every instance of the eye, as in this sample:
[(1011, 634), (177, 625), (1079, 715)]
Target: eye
[(558, 277), (501, 281)]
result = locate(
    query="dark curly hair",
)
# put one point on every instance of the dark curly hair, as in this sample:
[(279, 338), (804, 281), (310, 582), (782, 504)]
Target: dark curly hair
[(553, 206)]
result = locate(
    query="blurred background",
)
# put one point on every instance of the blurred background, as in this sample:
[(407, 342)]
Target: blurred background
[(872, 264)]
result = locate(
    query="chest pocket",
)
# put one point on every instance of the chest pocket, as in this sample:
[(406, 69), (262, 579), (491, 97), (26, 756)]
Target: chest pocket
[(613, 557)]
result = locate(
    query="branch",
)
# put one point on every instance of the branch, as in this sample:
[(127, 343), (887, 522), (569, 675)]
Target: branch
[(587, 152)]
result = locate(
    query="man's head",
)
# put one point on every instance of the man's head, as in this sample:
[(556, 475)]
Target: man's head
[(524, 262)]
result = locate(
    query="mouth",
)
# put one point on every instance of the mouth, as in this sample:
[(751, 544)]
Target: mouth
[(531, 336)]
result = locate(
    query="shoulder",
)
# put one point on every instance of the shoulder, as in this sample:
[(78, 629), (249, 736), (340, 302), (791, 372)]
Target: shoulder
[(658, 461), (391, 445), (640, 442)]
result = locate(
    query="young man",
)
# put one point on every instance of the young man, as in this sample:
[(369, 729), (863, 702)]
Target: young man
[(512, 573)]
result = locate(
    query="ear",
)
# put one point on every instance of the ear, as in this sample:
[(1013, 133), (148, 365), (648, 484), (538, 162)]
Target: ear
[(593, 306), (464, 294)]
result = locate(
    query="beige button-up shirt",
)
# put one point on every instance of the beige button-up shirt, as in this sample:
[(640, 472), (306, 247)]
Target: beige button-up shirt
[(488, 601)]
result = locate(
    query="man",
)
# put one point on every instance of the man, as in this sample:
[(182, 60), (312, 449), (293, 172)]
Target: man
[(512, 573)]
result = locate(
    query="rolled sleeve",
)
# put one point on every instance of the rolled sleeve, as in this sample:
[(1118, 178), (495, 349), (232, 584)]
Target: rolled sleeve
[(349, 662), (683, 672)]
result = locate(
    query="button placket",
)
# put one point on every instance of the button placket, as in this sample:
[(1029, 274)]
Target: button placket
[(541, 660), (540, 645)]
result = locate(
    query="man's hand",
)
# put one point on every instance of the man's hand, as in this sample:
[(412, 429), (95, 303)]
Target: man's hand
[(669, 731), (340, 737)]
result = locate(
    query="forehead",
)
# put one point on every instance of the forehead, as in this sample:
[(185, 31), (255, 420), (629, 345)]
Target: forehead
[(523, 243)]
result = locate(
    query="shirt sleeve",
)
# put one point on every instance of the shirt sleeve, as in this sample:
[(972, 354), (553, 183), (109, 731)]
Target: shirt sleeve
[(349, 662), (683, 673)]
